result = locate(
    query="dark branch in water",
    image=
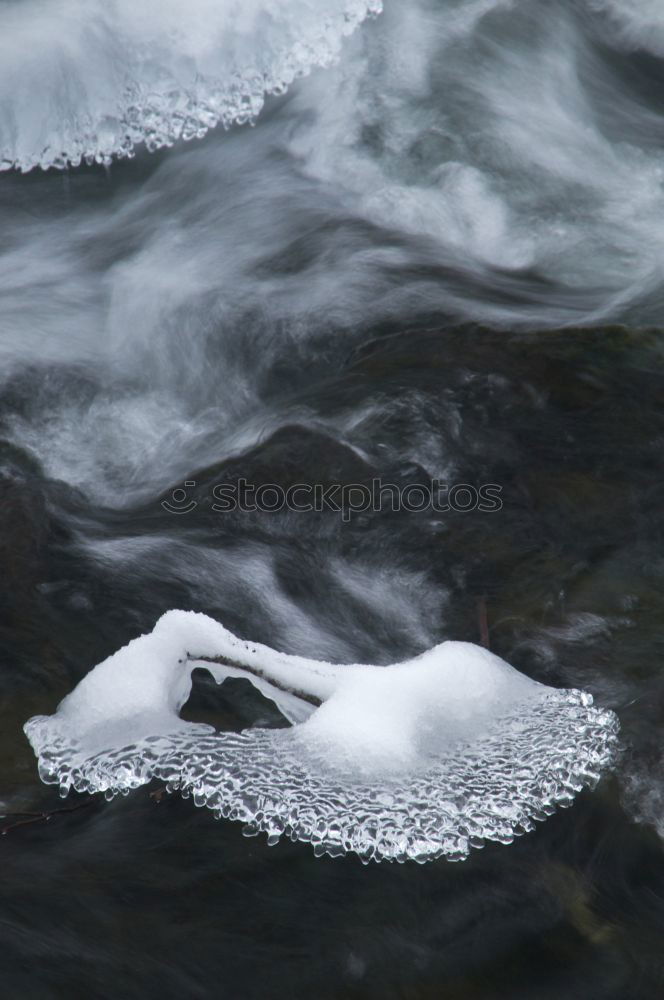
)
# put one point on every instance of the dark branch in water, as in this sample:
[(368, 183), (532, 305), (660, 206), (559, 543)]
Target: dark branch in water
[(483, 622), (41, 817), (225, 661)]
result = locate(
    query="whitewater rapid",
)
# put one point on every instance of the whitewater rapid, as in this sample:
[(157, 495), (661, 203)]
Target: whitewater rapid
[(395, 183)]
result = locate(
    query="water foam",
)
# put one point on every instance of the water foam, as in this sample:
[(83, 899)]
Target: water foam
[(86, 81), (638, 24), (423, 759), (225, 264)]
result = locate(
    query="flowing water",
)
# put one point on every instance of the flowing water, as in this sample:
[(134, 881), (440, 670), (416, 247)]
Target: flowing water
[(435, 250)]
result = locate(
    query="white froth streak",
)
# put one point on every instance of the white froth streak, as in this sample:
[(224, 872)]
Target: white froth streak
[(638, 24)]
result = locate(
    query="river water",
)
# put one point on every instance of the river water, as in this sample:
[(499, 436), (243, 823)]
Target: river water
[(441, 256)]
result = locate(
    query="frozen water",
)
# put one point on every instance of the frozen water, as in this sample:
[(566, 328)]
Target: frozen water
[(89, 79), (425, 758)]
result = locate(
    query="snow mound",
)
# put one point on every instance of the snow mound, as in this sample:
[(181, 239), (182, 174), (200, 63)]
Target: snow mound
[(419, 760)]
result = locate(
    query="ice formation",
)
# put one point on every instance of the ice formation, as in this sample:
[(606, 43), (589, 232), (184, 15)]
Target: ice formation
[(422, 759), (89, 79)]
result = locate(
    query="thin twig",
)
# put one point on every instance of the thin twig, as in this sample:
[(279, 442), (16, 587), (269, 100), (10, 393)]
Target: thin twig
[(41, 817), (257, 672), (483, 621)]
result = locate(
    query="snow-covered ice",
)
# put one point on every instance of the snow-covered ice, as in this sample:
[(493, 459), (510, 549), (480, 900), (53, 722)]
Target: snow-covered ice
[(424, 758)]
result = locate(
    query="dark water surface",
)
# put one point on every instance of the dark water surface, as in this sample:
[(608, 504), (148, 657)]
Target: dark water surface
[(442, 258)]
